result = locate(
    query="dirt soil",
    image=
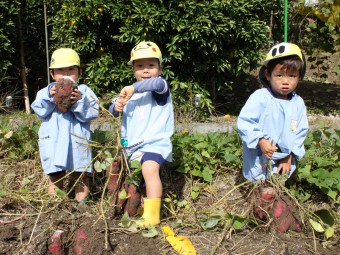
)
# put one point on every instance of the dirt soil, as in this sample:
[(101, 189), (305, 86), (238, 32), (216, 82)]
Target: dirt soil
[(28, 222), (27, 226)]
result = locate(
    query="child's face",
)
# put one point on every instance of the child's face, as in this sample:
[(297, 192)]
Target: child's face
[(146, 68), (72, 71), (282, 81)]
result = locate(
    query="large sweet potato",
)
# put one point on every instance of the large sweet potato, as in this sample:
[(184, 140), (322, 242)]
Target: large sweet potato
[(133, 201), (285, 216), (63, 92), (282, 216), (115, 186), (113, 173)]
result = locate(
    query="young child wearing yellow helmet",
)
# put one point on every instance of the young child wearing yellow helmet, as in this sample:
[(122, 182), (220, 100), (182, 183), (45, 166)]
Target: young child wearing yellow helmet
[(147, 123), (63, 136), (273, 123)]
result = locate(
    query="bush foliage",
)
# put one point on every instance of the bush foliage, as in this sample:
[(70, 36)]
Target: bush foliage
[(205, 43)]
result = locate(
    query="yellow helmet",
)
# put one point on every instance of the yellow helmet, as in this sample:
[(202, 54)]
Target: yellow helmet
[(145, 50), (64, 57), (281, 50)]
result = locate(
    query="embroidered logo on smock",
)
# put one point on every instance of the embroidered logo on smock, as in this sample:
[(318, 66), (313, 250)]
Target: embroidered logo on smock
[(293, 126)]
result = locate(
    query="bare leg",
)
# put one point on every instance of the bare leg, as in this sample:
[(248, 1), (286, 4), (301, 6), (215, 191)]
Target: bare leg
[(55, 182), (150, 170), (82, 189)]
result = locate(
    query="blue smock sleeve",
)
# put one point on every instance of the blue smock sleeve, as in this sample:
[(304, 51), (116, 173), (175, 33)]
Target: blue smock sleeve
[(87, 107), (157, 84), (248, 122), (43, 105)]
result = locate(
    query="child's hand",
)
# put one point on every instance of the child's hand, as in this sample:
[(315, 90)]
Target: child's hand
[(119, 105), (285, 165), (127, 92), (52, 91), (76, 95), (267, 147)]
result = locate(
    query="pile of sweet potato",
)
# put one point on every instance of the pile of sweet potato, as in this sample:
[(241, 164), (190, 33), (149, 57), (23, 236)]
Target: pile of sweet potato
[(278, 209), (117, 183)]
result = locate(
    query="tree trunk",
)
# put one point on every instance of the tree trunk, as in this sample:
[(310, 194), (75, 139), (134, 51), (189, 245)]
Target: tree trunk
[(23, 67)]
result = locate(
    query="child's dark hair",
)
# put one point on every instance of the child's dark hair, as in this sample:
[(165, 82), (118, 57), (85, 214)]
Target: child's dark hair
[(79, 70), (292, 63)]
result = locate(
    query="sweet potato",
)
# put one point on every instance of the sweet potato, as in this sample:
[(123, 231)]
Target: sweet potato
[(263, 204), (80, 242), (285, 217), (282, 216), (113, 173), (114, 184), (63, 92), (56, 246), (133, 201)]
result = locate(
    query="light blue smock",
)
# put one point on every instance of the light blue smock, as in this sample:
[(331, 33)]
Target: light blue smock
[(64, 137), (282, 121)]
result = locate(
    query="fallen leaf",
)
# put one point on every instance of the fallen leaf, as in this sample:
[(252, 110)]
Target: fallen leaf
[(181, 244)]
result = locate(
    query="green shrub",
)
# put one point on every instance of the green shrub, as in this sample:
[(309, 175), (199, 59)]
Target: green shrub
[(204, 43)]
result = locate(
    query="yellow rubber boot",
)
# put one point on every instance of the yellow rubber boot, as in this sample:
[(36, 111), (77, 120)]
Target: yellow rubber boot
[(151, 214)]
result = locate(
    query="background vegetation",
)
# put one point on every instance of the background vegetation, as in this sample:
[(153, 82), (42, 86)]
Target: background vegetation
[(205, 43)]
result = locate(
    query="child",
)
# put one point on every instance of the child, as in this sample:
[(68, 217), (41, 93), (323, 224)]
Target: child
[(273, 123), (147, 123), (63, 136)]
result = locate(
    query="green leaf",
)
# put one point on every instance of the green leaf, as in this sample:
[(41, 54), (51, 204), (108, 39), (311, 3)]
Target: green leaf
[(151, 232), (122, 194), (207, 176), (108, 155), (329, 232), (316, 226), (329, 192), (60, 193), (238, 222), (136, 164), (304, 171), (3, 192), (230, 158), (104, 165), (196, 172), (323, 162), (97, 166), (205, 154), (210, 223), (125, 221), (201, 145), (195, 191)]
